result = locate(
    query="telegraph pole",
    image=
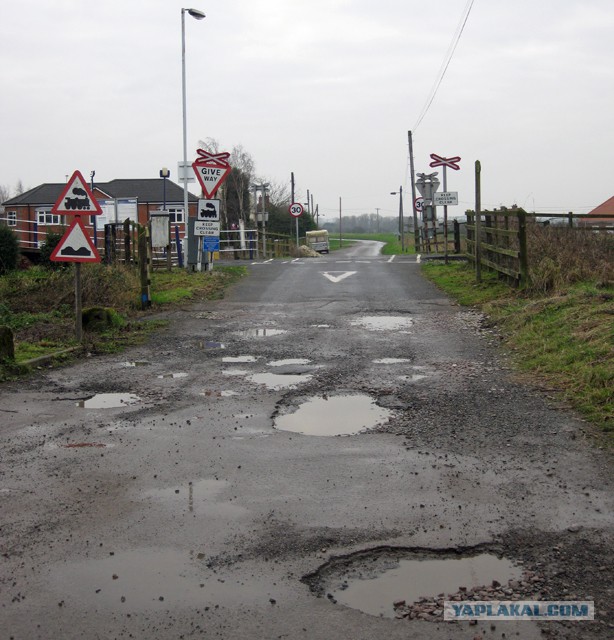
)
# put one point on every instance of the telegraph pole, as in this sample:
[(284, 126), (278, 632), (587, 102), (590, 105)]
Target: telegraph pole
[(413, 193), (377, 213)]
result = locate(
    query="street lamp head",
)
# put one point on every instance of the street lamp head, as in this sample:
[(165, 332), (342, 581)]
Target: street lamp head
[(164, 172), (195, 13)]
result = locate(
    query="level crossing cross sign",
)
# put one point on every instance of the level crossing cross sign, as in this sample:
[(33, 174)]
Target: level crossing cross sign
[(76, 199), (440, 161), (211, 169)]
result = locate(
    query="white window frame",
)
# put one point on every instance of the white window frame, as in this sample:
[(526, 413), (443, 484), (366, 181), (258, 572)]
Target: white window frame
[(44, 217), (11, 218), (176, 215)]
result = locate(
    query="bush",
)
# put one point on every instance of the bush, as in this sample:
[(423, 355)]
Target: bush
[(9, 250), (51, 242)]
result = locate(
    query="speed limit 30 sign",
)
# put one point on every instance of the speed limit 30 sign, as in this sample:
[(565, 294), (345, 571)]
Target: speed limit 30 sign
[(296, 209)]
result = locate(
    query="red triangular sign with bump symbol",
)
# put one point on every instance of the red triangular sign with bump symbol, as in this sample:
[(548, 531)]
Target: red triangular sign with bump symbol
[(75, 245), (76, 199)]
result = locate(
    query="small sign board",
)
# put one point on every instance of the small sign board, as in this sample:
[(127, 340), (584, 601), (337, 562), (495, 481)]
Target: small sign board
[(76, 198), (296, 209), (445, 198), (75, 245), (208, 210), (206, 228), (211, 243)]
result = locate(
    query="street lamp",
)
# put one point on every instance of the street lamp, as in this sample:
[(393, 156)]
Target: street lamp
[(401, 223), (198, 15), (164, 174)]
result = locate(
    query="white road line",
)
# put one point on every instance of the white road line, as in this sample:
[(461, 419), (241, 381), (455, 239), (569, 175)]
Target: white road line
[(339, 278), (391, 258), (343, 261), (418, 258)]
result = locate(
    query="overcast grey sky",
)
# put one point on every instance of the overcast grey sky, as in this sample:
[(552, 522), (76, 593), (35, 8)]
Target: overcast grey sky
[(325, 88)]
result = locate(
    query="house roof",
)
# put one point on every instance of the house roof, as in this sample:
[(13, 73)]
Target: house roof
[(606, 207), (144, 189)]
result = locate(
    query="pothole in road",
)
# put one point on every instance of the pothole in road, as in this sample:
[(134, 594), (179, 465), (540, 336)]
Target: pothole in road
[(288, 361), (275, 381), (152, 579), (174, 375), (199, 497), (138, 363), (340, 415), (239, 359), (391, 360), (383, 323), (261, 333), (108, 401), (395, 583)]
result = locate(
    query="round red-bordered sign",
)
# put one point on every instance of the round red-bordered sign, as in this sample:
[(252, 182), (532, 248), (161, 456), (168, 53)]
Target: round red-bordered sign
[(296, 209)]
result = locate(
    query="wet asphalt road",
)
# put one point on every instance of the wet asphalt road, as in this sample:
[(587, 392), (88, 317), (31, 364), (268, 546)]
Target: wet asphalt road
[(188, 514)]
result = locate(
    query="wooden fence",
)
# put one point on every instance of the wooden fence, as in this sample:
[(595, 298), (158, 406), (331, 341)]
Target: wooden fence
[(497, 239)]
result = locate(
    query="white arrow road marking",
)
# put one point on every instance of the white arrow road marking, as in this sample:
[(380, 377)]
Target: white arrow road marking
[(344, 274)]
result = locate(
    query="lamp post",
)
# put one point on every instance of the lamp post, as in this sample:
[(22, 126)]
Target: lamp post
[(198, 15), (401, 223), (164, 174)]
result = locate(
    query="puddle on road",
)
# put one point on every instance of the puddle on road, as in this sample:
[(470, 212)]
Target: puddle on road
[(234, 372), (151, 579), (198, 497), (173, 375), (276, 381), (108, 401), (212, 393), (391, 360), (141, 363), (240, 359), (261, 333), (334, 416), (288, 361), (414, 377), (321, 326), (209, 344), (383, 323), (411, 580)]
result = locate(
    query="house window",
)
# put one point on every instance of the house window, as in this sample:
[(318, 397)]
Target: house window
[(11, 218), (44, 217), (176, 215)]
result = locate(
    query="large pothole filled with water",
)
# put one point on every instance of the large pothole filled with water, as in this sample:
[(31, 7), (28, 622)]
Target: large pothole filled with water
[(339, 415), (414, 583)]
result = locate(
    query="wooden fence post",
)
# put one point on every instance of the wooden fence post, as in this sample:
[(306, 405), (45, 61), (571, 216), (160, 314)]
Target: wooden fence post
[(478, 214), (522, 248), (144, 267)]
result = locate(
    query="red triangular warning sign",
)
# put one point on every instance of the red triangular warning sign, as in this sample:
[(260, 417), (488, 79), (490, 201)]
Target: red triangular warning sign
[(75, 246), (77, 198)]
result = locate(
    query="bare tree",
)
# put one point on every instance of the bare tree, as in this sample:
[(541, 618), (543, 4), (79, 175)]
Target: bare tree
[(19, 188), (5, 193)]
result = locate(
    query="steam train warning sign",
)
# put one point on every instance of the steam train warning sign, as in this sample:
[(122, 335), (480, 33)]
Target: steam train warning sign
[(75, 246), (76, 198)]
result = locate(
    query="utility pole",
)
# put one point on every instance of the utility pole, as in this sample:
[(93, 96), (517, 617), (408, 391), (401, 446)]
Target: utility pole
[(340, 239), (292, 200), (413, 193), (377, 213)]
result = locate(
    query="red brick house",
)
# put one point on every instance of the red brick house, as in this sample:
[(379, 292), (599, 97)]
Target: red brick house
[(29, 214)]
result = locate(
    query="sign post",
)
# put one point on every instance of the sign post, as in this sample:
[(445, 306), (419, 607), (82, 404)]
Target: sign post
[(211, 169), (439, 161), (76, 246), (296, 211)]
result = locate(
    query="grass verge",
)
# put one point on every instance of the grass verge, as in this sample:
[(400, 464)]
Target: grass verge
[(43, 322), (563, 340)]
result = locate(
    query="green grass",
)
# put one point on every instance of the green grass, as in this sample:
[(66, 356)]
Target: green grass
[(38, 305), (564, 340)]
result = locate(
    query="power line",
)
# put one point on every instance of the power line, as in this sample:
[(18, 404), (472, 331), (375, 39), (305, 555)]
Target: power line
[(446, 62)]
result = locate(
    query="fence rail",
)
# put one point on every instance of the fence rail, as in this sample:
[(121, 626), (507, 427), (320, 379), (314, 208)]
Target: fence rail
[(498, 239)]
